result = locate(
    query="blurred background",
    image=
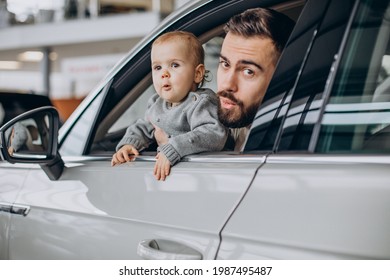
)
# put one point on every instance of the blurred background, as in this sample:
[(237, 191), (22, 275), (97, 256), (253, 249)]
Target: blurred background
[(62, 48)]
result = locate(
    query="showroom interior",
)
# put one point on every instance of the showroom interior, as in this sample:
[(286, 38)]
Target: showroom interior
[(63, 48)]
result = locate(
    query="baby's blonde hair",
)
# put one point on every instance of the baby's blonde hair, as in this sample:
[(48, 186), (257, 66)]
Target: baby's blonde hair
[(192, 42)]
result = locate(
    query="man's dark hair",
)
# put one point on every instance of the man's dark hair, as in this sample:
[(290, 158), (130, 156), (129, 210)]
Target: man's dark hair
[(262, 22)]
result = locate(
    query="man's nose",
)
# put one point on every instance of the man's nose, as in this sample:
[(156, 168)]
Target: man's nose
[(227, 81)]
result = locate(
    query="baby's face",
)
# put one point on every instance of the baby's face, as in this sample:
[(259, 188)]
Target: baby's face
[(173, 70)]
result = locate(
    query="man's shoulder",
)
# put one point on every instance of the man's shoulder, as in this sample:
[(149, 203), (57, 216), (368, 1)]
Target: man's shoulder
[(203, 94)]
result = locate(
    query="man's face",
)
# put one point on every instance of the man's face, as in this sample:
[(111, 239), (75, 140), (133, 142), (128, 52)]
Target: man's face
[(246, 66)]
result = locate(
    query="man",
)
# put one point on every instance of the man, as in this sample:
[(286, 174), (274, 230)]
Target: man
[(252, 46)]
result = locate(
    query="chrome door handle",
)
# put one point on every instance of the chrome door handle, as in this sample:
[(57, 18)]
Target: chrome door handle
[(160, 249), (5, 207), (14, 208), (20, 210)]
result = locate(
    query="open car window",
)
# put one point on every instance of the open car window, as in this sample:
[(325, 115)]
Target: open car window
[(133, 105), (124, 100), (137, 109)]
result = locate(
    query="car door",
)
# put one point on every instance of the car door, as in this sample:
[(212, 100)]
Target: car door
[(95, 211), (324, 193), (11, 184), (12, 104)]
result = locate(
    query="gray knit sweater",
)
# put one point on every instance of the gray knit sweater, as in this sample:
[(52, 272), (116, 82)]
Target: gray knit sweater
[(192, 126)]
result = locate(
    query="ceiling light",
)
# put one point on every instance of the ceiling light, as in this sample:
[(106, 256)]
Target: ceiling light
[(31, 56), (10, 65), (53, 56)]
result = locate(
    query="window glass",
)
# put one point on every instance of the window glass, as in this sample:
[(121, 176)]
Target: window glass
[(75, 141), (134, 112), (270, 117), (304, 107), (357, 116)]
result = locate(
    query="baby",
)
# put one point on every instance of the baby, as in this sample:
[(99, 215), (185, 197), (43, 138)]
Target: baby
[(185, 112)]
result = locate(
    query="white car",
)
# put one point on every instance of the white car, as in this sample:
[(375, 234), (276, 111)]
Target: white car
[(313, 181)]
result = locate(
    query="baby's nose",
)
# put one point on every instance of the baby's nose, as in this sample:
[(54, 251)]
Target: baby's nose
[(165, 74)]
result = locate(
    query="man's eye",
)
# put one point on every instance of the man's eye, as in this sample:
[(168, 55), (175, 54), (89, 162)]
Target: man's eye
[(249, 72), (224, 63)]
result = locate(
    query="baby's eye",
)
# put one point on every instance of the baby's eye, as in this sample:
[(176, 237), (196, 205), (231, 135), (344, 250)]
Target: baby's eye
[(175, 65), (157, 67)]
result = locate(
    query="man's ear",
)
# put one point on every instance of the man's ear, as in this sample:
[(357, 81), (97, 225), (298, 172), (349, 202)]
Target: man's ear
[(199, 73)]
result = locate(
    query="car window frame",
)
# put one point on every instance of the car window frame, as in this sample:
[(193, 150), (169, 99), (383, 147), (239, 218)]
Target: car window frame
[(92, 103), (121, 84), (102, 130), (196, 21)]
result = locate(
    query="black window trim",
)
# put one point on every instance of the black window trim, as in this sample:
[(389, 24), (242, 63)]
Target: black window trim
[(331, 79)]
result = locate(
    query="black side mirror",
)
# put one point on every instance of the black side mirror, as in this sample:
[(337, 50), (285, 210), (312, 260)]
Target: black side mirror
[(32, 137)]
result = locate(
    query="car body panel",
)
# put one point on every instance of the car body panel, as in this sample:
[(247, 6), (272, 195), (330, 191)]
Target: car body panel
[(111, 215), (313, 207), (11, 184)]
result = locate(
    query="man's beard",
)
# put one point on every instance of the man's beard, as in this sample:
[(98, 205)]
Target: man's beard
[(232, 118)]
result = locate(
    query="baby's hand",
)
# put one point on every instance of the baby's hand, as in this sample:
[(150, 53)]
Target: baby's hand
[(124, 154), (160, 136), (162, 167)]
